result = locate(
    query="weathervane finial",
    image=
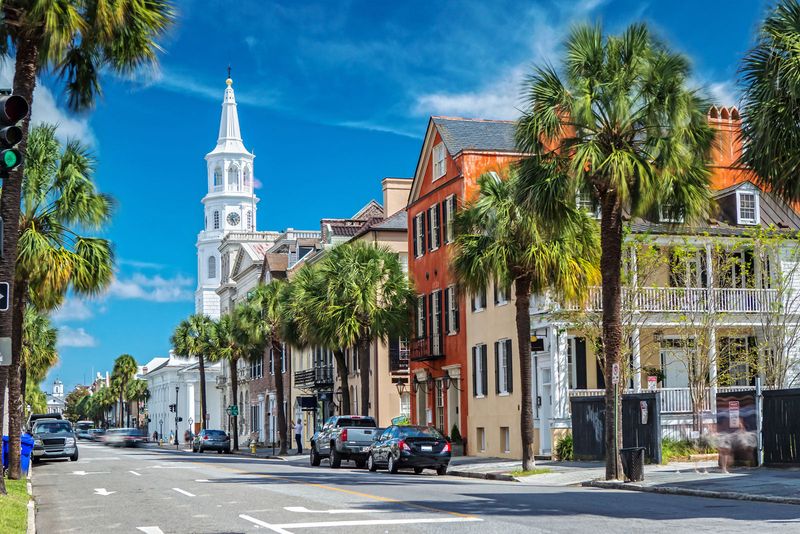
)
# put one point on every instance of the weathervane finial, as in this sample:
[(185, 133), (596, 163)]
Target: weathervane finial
[(229, 81)]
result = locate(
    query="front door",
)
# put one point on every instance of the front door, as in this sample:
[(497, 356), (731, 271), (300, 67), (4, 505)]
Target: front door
[(545, 412)]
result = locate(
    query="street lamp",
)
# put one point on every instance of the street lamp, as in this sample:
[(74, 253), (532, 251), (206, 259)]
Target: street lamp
[(401, 386), (177, 440), (161, 425)]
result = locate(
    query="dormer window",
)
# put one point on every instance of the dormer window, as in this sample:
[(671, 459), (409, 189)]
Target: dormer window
[(584, 201), (665, 215), (439, 162), (747, 206)]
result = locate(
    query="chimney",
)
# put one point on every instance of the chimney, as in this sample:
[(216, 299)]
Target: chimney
[(727, 147), (395, 195)]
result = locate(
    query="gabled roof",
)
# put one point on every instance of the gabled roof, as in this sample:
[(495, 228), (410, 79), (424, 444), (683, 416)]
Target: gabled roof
[(396, 223), (371, 209), (476, 134)]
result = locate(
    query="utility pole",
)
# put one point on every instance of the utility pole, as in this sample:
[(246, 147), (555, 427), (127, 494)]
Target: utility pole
[(177, 440)]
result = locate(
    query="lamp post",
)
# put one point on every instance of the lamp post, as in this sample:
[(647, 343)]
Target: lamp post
[(177, 439), (161, 431)]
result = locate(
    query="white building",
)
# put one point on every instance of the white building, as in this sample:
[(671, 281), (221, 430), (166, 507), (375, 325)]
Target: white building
[(56, 401), (182, 373), (229, 205)]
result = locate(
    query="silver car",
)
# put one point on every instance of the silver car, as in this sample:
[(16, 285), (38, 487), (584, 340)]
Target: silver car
[(54, 439)]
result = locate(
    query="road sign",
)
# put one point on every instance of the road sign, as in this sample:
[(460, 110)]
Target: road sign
[(232, 410), (615, 374), (652, 383), (5, 292), (5, 351)]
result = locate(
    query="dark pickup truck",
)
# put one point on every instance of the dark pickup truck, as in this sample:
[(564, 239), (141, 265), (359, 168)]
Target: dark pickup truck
[(344, 437)]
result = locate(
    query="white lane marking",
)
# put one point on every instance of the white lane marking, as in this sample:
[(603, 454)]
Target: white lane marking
[(135, 473), (304, 510), (150, 530), (201, 480), (102, 491), (84, 473), (171, 467), (263, 524), (368, 522), (184, 492)]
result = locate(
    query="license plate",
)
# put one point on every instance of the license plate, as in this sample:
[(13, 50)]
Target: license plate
[(427, 448)]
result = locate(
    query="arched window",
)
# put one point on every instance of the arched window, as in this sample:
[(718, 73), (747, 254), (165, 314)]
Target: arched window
[(212, 267), (246, 177), (218, 177), (216, 220), (233, 177), (250, 219)]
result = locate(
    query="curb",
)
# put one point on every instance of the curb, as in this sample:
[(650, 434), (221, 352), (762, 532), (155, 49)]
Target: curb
[(31, 505), (673, 490), (484, 476)]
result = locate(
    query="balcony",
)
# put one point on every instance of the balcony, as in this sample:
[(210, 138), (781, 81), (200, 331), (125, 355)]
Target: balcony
[(427, 348), (398, 360), (688, 300), (320, 377)]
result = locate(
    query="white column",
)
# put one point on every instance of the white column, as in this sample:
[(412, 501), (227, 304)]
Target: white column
[(712, 367), (190, 403), (560, 375), (636, 357)]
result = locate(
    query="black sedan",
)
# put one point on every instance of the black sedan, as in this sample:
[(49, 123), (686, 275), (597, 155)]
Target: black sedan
[(417, 447), (211, 440)]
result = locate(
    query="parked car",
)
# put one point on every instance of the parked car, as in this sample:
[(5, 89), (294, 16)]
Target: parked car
[(54, 438), (124, 437), (416, 447), (212, 440), (344, 437), (96, 434)]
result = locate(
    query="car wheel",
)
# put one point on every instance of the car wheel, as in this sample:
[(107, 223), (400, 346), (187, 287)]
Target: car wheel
[(200, 449), (219, 451), (441, 470), (36, 460), (371, 465), (417, 470), (336, 460), (74, 457), (314, 457), (392, 465)]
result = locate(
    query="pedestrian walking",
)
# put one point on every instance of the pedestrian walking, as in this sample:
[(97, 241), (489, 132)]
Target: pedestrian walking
[(298, 436)]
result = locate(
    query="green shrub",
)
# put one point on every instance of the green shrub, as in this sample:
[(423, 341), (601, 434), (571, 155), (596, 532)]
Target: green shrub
[(673, 449), (565, 449)]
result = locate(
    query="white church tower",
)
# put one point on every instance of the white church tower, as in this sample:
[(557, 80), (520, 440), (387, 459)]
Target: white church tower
[(230, 205)]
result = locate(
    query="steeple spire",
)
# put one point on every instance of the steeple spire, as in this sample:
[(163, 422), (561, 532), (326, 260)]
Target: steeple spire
[(230, 137)]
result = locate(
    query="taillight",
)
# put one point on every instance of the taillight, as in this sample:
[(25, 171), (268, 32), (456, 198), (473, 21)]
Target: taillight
[(404, 446), (344, 435), (205, 437), (446, 447)]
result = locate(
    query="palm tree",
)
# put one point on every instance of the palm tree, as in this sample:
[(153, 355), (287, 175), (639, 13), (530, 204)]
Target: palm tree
[(191, 338), (497, 240), (124, 371), (770, 102), (368, 297), (39, 353), (102, 400), (269, 302), (136, 392), (76, 40), (621, 125)]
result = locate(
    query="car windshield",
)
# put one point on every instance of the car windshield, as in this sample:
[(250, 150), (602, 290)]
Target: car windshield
[(420, 432), (366, 422), (55, 427), (215, 433)]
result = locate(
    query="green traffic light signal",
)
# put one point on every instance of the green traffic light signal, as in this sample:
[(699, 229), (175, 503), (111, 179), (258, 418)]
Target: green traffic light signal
[(9, 159)]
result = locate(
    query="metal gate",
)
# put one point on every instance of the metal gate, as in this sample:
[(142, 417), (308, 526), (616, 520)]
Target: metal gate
[(781, 427)]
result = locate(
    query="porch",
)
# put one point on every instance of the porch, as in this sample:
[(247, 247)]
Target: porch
[(686, 300)]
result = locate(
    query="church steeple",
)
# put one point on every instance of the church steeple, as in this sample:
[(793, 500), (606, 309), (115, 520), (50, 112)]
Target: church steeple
[(229, 139)]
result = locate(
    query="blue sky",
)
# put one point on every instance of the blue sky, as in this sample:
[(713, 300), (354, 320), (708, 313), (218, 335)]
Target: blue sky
[(333, 96)]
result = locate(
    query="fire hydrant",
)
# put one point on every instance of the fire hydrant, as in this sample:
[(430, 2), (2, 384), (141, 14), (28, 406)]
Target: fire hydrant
[(253, 447)]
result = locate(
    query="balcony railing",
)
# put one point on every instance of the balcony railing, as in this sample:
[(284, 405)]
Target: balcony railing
[(427, 348), (673, 400), (688, 300), (318, 377), (398, 360)]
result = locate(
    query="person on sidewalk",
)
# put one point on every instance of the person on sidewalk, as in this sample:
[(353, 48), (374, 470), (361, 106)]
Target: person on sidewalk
[(298, 436)]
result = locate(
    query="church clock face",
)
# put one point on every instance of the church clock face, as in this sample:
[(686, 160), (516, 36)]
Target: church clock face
[(233, 219)]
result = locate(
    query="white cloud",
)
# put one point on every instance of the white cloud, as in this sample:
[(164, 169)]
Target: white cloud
[(46, 109), (178, 82), (140, 264), (153, 288), (75, 337), (723, 93), (73, 309)]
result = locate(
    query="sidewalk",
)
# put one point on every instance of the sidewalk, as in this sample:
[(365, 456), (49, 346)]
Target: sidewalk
[(267, 452)]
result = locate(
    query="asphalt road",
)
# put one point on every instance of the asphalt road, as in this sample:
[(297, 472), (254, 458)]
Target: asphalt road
[(160, 491)]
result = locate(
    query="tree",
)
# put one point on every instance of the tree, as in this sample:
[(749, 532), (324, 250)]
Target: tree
[(621, 126), (102, 400), (771, 101), (498, 240), (192, 338), (73, 401), (124, 371), (76, 40), (39, 353), (368, 297), (136, 392)]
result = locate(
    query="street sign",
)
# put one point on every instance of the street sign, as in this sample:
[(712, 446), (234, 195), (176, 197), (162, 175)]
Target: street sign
[(652, 383), (232, 410), (5, 351), (615, 374), (733, 415), (5, 292)]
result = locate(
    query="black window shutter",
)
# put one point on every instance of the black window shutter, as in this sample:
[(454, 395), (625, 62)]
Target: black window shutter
[(484, 359), (483, 296), (414, 237), (475, 371), (439, 233), (430, 315), (472, 301), (601, 378), (428, 228), (447, 311), (394, 345), (497, 367), (456, 310), (496, 294), (580, 362), (509, 367), (424, 316), (445, 222)]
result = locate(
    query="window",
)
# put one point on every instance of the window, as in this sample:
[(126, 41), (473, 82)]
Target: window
[(218, 177), (503, 367), (479, 300), (233, 177), (419, 235), (747, 207), (481, 439), (257, 368), (255, 420), (216, 220), (212, 267), (501, 293), (283, 357), (505, 439), (436, 321), (421, 316), (271, 361), (440, 405), (250, 219), (439, 162), (666, 214), (448, 214), (405, 404), (246, 177), (572, 364), (434, 237), (479, 378), (451, 319)]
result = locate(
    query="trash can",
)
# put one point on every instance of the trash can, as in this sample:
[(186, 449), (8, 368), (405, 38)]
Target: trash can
[(632, 463), (5, 452), (27, 449)]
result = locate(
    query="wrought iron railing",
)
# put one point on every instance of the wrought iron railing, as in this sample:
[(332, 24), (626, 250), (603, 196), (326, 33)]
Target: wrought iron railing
[(315, 378), (427, 348)]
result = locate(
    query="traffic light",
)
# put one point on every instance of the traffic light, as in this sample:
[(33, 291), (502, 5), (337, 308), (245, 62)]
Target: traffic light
[(13, 108), (180, 419), (172, 407)]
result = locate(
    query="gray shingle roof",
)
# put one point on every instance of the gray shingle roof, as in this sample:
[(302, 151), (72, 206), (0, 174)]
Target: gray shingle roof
[(398, 221), (476, 134)]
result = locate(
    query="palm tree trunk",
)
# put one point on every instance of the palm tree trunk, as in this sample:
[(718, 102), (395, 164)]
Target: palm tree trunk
[(610, 270), (283, 430), (341, 370), (27, 60), (522, 290), (363, 369), (14, 384), (202, 390), (235, 392)]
